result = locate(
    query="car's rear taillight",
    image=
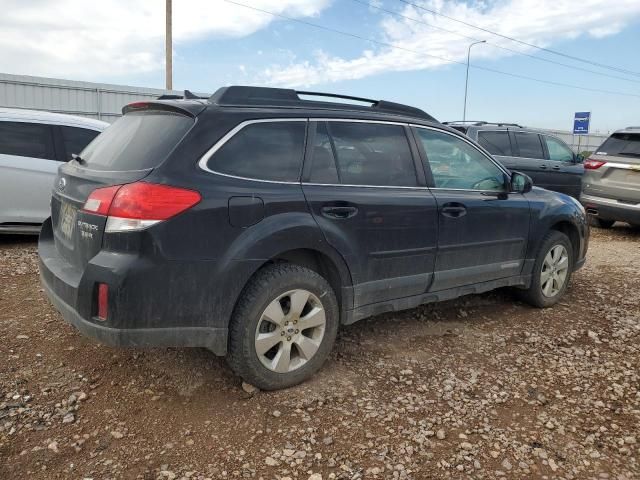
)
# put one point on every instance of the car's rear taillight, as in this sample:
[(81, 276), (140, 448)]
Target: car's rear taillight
[(139, 205), (592, 164), (100, 200)]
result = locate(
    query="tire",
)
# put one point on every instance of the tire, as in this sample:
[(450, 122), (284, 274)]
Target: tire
[(269, 311), (539, 294), (600, 222)]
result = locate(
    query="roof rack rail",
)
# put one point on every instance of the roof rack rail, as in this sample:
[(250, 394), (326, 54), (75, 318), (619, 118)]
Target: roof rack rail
[(479, 123), (187, 95), (284, 97)]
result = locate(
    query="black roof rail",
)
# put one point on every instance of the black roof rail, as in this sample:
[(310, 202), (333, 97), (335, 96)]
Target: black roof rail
[(285, 97), (478, 123), (187, 95)]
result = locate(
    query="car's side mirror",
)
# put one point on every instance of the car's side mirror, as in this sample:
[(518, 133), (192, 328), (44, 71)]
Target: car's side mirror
[(578, 158), (520, 183)]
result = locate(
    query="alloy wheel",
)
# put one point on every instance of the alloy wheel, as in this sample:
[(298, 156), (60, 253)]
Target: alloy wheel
[(290, 331), (555, 268)]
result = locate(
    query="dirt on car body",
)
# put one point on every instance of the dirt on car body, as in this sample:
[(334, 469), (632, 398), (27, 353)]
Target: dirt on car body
[(480, 387)]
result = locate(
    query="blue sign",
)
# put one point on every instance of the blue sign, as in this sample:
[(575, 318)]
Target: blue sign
[(581, 123)]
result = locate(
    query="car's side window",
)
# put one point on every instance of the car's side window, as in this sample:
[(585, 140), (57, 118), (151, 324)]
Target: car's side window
[(558, 151), (496, 142), (529, 145), (25, 139), (372, 154), (455, 164), (75, 139), (264, 151)]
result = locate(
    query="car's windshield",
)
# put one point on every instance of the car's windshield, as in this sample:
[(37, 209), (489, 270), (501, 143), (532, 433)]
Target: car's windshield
[(626, 144)]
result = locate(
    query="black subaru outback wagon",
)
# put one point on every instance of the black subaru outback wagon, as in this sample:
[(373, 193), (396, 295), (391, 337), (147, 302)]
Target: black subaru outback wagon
[(255, 222)]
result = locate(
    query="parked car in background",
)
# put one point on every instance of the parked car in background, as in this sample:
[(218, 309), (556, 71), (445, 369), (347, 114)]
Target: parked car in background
[(33, 144), (611, 183), (549, 161), (259, 222)]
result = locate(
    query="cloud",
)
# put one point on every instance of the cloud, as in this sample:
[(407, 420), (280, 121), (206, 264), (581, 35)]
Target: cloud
[(93, 39), (540, 22)]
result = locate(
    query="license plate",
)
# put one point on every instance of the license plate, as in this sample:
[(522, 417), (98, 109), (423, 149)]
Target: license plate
[(67, 220)]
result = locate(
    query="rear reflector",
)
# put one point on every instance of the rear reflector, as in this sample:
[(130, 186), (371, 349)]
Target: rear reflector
[(139, 205), (591, 164), (103, 301)]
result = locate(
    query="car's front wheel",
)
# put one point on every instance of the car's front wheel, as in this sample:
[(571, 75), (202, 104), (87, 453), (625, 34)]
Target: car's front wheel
[(283, 327), (551, 272)]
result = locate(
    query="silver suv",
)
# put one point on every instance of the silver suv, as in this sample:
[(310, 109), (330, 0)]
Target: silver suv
[(611, 181)]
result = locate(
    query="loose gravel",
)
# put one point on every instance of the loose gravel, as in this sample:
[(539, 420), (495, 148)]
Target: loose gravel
[(482, 387)]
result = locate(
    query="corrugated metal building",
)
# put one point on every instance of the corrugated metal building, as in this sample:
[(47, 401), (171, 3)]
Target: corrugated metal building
[(95, 100), (104, 101)]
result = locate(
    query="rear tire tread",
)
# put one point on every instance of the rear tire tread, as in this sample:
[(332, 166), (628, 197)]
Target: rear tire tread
[(241, 355)]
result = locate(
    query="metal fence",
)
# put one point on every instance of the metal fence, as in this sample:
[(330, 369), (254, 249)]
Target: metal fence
[(94, 100), (579, 143)]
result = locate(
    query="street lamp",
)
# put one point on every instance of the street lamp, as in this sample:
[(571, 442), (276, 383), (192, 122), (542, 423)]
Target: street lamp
[(466, 82)]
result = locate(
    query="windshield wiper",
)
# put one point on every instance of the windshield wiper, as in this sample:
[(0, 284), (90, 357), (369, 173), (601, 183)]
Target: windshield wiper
[(78, 158)]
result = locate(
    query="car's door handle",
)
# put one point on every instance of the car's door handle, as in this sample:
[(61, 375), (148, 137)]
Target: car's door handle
[(339, 212), (453, 210), (556, 167), (543, 166)]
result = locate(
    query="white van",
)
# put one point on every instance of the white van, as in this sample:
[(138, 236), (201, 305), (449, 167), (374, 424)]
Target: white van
[(32, 146)]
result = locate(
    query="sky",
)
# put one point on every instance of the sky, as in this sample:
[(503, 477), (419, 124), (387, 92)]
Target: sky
[(382, 49)]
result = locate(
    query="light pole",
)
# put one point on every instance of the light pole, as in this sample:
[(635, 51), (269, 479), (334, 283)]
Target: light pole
[(168, 47), (466, 82)]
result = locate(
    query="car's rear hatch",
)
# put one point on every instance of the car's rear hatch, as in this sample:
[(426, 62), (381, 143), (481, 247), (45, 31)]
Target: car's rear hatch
[(124, 153), (613, 171)]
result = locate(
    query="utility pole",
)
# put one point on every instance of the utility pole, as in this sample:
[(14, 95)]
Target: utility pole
[(466, 82), (168, 48)]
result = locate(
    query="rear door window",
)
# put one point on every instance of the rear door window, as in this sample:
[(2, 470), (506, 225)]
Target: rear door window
[(263, 151), (370, 154), (623, 144), (75, 139), (496, 143), (529, 145), (25, 139), (558, 151), (137, 141)]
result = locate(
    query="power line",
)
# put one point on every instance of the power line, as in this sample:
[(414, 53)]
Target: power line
[(397, 14), (554, 52), (446, 60)]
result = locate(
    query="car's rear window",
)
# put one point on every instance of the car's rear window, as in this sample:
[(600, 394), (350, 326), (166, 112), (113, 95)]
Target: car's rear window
[(136, 141), (621, 144)]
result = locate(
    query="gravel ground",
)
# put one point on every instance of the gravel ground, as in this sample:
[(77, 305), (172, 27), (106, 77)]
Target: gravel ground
[(480, 387)]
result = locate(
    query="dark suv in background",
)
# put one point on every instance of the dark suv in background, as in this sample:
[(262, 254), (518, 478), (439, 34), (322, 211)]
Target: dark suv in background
[(549, 161), (611, 184), (254, 223)]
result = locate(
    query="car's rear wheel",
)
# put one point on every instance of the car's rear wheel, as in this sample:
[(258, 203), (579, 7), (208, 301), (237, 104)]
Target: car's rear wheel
[(551, 271), (283, 327), (600, 222)]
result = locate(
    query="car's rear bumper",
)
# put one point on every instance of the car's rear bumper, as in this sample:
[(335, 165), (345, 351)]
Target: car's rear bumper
[(611, 209), (72, 292), (212, 338)]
